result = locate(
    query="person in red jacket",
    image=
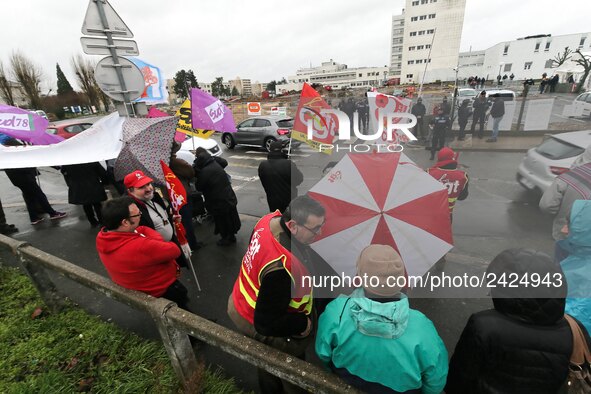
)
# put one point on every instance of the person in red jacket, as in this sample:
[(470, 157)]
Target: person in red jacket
[(136, 257), (446, 171)]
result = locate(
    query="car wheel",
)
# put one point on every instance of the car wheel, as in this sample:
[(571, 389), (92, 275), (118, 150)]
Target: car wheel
[(268, 143), (228, 141)]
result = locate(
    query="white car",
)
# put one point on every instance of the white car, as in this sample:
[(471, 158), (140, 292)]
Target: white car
[(191, 144), (582, 105), (551, 158), (505, 94)]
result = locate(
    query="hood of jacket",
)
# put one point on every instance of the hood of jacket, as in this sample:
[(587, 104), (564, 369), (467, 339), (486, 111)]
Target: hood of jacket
[(512, 296), (108, 242), (384, 320), (203, 159), (579, 237)]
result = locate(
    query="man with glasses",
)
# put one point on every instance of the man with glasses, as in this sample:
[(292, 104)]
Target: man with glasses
[(136, 257), (270, 301), (156, 212)]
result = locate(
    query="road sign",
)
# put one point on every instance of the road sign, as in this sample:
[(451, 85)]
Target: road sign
[(253, 109), (93, 24), (106, 77), (100, 46)]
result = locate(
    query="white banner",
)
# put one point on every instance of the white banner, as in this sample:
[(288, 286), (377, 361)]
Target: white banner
[(100, 142)]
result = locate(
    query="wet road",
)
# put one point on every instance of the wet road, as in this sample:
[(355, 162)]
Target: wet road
[(498, 214)]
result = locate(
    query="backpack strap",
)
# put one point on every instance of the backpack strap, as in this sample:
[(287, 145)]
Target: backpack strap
[(581, 353)]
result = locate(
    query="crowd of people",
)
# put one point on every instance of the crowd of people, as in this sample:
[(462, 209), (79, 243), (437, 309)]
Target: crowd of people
[(522, 345)]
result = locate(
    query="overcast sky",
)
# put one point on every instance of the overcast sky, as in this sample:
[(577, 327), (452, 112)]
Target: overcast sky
[(263, 39)]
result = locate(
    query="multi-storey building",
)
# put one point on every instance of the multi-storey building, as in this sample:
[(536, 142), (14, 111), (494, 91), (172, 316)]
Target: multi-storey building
[(335, 75), (426, 40)]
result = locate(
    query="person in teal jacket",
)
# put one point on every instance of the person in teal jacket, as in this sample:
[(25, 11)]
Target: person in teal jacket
[(374, 341), (577, 266)]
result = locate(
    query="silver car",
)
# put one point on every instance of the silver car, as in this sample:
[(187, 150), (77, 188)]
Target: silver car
[(259, 131), (551, 158)]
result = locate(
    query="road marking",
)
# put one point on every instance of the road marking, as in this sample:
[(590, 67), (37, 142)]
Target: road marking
[(238, 157), (243, 178), (242, 165)]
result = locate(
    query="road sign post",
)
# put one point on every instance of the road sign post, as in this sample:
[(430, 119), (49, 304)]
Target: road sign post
[(102, 20)]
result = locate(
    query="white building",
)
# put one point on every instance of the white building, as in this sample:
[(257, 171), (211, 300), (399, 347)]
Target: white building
[(426, 40), (335, 75), (530, 57)]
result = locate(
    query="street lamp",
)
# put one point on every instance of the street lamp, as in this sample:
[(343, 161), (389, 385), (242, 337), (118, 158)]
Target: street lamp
[(499, 76)]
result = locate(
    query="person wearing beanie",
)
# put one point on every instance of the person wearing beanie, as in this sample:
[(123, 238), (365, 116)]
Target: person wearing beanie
[(523, 344), (373, 340), (280, 178), (455, 181)]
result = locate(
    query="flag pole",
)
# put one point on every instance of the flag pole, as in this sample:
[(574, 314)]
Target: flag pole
[(192, 268)]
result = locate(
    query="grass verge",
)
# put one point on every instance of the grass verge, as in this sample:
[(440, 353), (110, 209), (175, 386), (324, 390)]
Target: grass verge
[(72, 351)]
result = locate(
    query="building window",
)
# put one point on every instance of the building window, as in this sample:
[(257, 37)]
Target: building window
[(360, 75), (413, 33), (411, 48), (527, 65), (421, 32), (408, 75), (547, 48), (415, 3), (419, 61), (433, 1), (411, 62), (420, 47), (430, 31), (427, 46), (507, 67), (424, 1), (414, 18), (423, 17), (506, 50), (582, 42), (537, 48), (549, 63), (431, 16), (427, 60)]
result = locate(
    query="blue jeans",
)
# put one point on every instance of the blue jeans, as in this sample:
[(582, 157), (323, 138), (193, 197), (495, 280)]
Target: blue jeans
[(495, 130)]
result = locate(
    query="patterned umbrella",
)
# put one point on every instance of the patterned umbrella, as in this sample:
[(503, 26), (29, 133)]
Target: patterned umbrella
[(382, 198), (145, 143)]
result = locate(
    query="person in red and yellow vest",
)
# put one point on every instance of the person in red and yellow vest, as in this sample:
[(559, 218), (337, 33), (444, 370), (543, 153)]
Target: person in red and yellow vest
[(270, 301), (446, 171)]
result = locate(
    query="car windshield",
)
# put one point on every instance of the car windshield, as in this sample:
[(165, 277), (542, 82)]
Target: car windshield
[(556, 149), (464, 93), (285, 123)]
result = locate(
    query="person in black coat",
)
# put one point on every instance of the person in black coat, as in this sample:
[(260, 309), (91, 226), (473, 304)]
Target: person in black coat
[(419, 111), (464, 113), (480, 106), (524, 344), (85, 187), (220, 199), (280, 178)]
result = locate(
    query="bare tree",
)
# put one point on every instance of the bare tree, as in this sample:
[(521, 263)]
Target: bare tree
[(585, 62), (85, 74), (28, 75), (5, 88), (561, 58)]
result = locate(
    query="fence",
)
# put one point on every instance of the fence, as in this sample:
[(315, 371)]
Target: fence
[(174, 324)]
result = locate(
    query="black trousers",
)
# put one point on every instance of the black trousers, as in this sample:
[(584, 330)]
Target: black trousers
[(177, 292), (93, 213), (2, 215), (35, 199), (478, 117), (462, 132), (438, 141)]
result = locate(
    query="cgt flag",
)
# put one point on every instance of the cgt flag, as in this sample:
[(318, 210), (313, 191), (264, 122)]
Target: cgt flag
[(325, 128), (209, 113), (178, 197)]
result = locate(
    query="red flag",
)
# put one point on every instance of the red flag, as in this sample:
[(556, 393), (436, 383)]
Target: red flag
[(325, 127), (176, 191)]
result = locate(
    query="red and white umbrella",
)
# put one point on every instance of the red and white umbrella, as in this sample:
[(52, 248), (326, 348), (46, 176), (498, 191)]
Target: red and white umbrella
[(382, 198)]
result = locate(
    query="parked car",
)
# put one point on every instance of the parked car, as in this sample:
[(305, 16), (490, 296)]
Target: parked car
[(68, 129), (551, 158), (505, 94), (192, 143), (582, 104), (259, 131)]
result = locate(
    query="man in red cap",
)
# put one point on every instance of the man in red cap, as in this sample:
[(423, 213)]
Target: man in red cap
[(446, 172), (156, 213)]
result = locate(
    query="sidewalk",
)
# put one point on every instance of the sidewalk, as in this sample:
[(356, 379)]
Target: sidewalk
[(505, 143)]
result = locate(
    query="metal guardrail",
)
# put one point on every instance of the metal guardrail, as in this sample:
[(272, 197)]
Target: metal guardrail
[(174, 324)]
